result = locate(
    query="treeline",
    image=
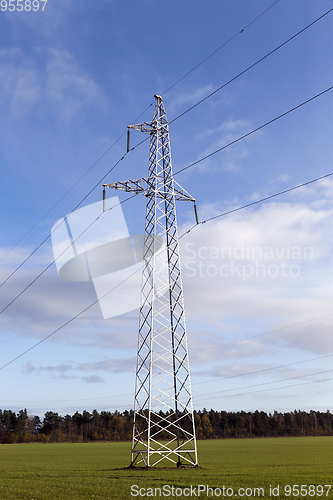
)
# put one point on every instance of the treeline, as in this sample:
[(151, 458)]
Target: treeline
[(106, 426)]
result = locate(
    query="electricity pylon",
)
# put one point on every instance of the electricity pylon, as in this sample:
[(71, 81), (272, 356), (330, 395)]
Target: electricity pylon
[(163, 428)]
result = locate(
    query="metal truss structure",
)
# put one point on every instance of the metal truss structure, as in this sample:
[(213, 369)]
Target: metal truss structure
[(163, 429)]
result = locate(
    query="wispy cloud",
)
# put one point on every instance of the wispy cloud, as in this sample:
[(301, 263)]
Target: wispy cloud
[(188, 97), (67, 86), (20, 84), (93, 379), (72, 370), (55, 14), (220, 136), (48, 78), (269, 265), (114, 365), (284, 178), (59, 369), (272, 264)]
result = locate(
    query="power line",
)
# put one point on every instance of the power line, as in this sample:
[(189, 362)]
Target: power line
[(252, 65), (254, 392), (235, 342), (269, 197), (122, 135), (250, 338), (223, 345), (72, 319), (46, 268), (65, 324), (54, 260), (225, 378), (179, 116), (222, 391), (198, 161), (182, 114), (80, 202), (247, 69), (219, 48), (277, 388), (256, 129), (206, 394), (179, 171), (266, 383), (230, 377), (47, 237), (77, 206), (257, 201), (207, 220), (191, 165), (57, 203), (265, 333), (263, 370)]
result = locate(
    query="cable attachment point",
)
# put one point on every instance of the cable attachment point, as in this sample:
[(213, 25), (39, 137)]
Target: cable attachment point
[(104, 199), (128, 140), (196, 214)]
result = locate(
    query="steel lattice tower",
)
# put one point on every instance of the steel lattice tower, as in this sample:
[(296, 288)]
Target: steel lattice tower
[(163, 428)]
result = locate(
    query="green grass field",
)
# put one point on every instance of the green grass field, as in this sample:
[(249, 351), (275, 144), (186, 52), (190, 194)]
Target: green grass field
[(99, 470)]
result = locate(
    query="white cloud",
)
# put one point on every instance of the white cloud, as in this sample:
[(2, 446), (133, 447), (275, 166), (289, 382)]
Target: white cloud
[(67, 86), (20, 85), (62, 368), (223, 304), (284, 178), (235, 370), (269, 267), (50, 302), (111, 365), (52, 15), (49, 79), (220, 346), (93, 379), (189, 97), (233, 156)]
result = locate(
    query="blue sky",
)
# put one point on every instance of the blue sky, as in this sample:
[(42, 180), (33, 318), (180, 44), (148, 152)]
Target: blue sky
[(71, 79)]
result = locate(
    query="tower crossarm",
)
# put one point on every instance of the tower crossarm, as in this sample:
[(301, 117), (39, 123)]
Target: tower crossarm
[(152, 127), (148, 187), (137, 186), (146, 127)]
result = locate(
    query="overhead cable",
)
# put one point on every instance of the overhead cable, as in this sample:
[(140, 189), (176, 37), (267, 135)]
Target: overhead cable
[(256, 202), (216, 346), (72, 319), (178, 172), (191, 165), (65, 324), (198, 161), (264, 370), (47, 237), (254, 130), (117, 140), (219, 48), (144, 140), (266, 383), (253, 65), (57, 203), (54, 260), (275, 388)]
